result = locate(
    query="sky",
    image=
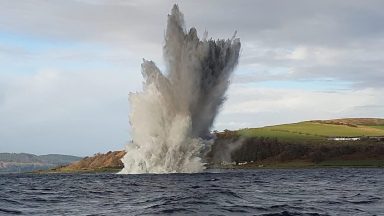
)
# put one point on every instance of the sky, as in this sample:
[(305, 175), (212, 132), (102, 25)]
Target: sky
[(67, 67)]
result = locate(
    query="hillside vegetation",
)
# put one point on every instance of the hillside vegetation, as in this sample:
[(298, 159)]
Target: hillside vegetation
[(110, 161), (305, 143)]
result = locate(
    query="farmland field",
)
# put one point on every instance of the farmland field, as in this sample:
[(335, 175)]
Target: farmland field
[(381, 127), (309, 130)]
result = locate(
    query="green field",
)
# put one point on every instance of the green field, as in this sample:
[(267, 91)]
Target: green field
[(381, 127), (306, 131)]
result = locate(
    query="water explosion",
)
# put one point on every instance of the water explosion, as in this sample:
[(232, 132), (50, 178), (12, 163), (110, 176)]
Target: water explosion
[(172, 117)]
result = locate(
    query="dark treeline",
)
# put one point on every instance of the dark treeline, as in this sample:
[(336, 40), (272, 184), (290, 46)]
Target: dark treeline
[(231, 147)]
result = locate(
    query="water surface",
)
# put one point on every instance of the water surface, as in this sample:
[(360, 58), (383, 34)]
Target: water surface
[(239, 192)]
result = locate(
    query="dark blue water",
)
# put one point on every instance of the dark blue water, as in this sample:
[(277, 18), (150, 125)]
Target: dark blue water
[(240, 192)]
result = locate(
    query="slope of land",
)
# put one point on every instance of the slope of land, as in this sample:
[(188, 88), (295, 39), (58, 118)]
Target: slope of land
[(110, 161), (311, 143), (23, 162)]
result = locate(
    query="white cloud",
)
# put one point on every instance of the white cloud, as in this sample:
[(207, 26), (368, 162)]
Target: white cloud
[(74, 112), (316, 55)]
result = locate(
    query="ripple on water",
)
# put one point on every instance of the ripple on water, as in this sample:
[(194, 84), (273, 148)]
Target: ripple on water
[(10, 211)]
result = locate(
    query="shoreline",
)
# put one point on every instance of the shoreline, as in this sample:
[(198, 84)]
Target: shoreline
[(303, 164), (379, 163), (247, 166)]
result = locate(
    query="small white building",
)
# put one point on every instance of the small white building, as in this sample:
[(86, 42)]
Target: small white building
[(344, 138)]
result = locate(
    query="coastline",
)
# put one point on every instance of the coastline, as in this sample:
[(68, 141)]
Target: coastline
[(298, 164), (303, 164)]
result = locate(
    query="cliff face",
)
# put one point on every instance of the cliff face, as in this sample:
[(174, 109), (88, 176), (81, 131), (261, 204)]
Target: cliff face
[(109, 160)]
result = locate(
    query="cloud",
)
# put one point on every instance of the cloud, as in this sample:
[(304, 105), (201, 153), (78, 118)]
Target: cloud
[(73, 112), (360, 65), (249, 106), (7, 51), (310, 40), (276, 23)]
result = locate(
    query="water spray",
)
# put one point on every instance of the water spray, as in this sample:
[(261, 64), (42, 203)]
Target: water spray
[(172, 116)]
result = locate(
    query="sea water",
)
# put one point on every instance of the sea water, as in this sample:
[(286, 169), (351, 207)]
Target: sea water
[(347, 191)]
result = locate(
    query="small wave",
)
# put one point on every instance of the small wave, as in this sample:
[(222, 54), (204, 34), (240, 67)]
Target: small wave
[(362, 202), (228, 193), (212, 179), (259, 181), (286, 213), (11, 211), (175, 211), (279, 206), (331, 202), (10, 201), (235, 210)]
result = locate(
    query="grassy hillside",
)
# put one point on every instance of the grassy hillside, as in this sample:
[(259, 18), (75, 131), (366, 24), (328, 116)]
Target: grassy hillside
[(304, 144), (381, 127), (317, 130)]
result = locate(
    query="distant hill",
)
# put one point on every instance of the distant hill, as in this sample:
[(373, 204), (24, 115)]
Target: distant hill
[(355, 121), (23, 162)]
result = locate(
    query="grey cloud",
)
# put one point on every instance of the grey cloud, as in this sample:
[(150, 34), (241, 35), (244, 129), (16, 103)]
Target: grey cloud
[(280, 23), (77, 20), (362, 76), (276, 27), (273, 22), (361, 65), (373, 111), (370, 107), (12, 51)]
